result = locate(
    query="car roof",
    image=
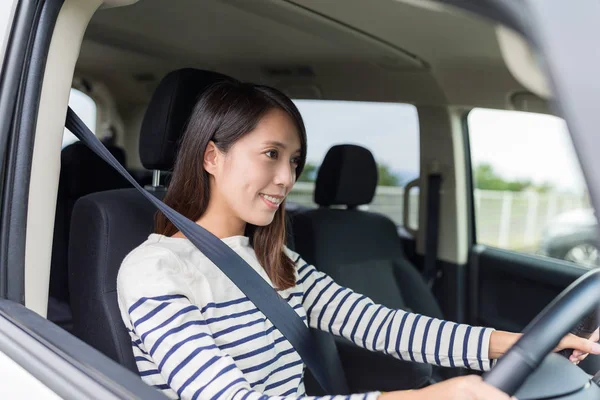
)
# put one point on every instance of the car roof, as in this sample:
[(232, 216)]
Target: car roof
[(308, 48)]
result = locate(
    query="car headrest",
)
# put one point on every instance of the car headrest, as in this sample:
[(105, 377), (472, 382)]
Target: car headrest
[(168, 112), (348, 176)]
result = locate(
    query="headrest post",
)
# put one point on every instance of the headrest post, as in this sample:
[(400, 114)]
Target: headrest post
[(156, 188), (156, 178)]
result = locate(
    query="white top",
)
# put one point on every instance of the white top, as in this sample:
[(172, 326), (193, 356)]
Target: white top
[(195, 335)]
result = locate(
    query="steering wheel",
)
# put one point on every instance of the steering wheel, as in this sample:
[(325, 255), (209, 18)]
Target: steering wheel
[(529, 370)]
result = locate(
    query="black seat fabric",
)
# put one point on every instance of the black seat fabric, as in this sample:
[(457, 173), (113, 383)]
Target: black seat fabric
[(82, 172), (361, 250), (107, 226)]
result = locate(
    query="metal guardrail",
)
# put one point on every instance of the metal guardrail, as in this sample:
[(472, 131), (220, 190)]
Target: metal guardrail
[(508, 220)]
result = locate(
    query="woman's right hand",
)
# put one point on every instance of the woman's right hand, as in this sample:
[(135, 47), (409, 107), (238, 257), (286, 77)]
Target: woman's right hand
[(469, 387)]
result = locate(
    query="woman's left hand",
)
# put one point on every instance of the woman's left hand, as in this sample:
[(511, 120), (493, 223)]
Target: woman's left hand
[(579, 355), (501, 341)]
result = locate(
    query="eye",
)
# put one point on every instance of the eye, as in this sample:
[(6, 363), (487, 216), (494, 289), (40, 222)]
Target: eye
[(274, 154), (295, 161)]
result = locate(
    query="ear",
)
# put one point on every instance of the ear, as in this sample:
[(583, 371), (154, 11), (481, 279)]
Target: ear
[(211, 158)]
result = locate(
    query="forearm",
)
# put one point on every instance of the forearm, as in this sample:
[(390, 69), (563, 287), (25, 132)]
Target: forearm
[(500, 342), (404, 335), (400, 395)]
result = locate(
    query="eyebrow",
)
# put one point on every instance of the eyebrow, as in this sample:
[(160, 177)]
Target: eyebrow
[(281, 145)]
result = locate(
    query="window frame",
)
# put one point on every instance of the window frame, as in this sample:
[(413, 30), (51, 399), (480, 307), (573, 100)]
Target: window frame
[(471, 212), (470, 184), (24, 65)]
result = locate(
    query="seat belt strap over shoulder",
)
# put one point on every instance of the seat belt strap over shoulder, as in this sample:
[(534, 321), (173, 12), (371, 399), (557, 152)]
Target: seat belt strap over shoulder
[(258, 291)]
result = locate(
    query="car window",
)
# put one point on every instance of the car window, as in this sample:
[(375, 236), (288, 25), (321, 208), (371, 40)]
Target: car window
[(529, 191), (389, 130), (7, 9), (85, 107)]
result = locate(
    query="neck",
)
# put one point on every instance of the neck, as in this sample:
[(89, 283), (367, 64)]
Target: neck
[(221, 223)]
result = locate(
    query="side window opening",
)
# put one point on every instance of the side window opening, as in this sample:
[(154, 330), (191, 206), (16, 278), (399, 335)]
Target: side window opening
[(389, 130), (86, 109), (529, 192)]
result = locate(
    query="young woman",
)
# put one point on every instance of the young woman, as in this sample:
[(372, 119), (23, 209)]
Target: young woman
[(195, 334)]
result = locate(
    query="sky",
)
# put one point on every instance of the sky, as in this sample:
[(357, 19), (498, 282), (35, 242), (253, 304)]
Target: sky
[(6, 8), (522, 145), (390, 131)]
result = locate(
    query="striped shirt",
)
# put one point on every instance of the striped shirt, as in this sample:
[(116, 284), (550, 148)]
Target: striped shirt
[(195, 335)]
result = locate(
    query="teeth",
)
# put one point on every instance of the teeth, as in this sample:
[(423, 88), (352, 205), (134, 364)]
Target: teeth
[(272, 199)]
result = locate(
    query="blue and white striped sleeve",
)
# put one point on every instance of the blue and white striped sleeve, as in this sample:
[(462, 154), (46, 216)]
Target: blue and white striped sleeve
[(404, 335), (157, 306)]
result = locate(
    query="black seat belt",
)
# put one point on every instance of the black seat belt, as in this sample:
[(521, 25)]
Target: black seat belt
[(264, 297), (434, 183)]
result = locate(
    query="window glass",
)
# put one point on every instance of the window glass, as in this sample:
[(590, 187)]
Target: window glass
[(85, 107), (530, 195), (389, 130)]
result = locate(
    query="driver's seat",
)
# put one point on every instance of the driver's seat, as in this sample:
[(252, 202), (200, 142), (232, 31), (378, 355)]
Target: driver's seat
[(106, 226)]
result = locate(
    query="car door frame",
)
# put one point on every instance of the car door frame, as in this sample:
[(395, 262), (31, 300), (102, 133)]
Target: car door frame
[(490, 267), (64, 364), (22, 79)]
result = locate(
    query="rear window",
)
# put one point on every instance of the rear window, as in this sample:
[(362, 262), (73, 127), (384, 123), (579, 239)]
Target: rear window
[(85, 107), (389, 130)]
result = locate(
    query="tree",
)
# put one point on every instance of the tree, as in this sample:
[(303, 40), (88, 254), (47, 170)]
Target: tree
[(386, 177), (309, 173), (544, 187), (487, 178)]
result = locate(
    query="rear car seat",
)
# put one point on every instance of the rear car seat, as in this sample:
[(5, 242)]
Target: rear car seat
[(360, 250), (82, 172)]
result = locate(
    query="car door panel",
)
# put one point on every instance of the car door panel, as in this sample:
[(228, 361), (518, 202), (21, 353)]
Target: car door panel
[(64, 364), (510, 289)]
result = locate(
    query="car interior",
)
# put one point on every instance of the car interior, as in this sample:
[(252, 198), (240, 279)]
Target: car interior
[(144, 63)]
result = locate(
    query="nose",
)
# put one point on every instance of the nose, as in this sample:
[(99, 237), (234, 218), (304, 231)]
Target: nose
[(285, 175)]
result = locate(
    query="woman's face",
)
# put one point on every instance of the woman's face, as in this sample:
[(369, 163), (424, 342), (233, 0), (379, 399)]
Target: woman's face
[(253, 178)]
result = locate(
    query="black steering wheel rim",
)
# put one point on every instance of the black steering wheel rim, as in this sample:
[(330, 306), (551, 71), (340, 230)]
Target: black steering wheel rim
[(544, 333)]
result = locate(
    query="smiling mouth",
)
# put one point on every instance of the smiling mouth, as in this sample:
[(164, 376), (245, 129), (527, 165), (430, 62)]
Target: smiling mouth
[(275, 201)]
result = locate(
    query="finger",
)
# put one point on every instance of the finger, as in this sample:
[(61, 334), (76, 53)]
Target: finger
[(567, 342), (573, 359), (577, 360), (595, 347), (595, 336), (578, 355), (581, 344)]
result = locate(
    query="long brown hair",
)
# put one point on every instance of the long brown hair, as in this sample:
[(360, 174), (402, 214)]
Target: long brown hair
[(225, 113)]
